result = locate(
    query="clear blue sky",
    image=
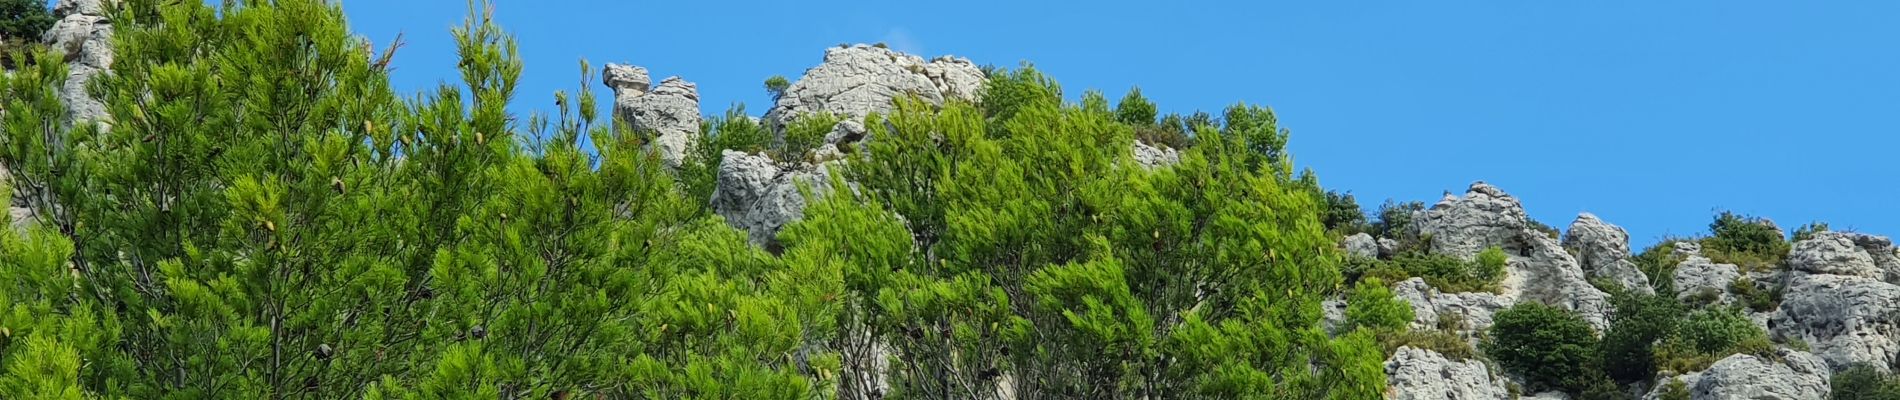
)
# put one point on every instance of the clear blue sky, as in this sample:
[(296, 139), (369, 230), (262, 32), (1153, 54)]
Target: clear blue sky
[(1652, 115)]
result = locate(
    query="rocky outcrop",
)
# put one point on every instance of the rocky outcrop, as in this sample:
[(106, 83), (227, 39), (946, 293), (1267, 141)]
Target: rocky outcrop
[(1789, 375), (1418, 374), (1699, 278), (856, 81), (1846, 254), (1540, 269), (1603, 250), (759, 196), (1152, 157), (1429, 307), (1361, 245), (669, 112), (84, 33), (1836, 304)]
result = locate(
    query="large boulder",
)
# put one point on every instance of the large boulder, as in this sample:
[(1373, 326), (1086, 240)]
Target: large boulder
[(1846, 254), (1361, 245), (670, 111), (856, 81), (1540, 269), (84, 34), (1152, 157), (1419, 374), (759, 196), (1603, 250), (1847, 320), (1429, 307), (1838, 305), (1698, 277), (1789, 375)]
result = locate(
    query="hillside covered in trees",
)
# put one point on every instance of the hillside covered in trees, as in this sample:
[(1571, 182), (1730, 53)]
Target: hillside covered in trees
[(230, 201)]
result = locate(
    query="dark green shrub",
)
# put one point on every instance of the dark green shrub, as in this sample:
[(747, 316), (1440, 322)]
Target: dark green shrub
[(1675, 390), (804, 135), (1752, 243), (1548, 230), (1604, 389), (1395, 219), (1863, 382), (1135, 110), (1372, 306), (1551, 348), (24, 20), (1639, 322), (1756, 297), (1707, 336), (1658, 262), (1453, 275), (1343, 215), (1806, 232)]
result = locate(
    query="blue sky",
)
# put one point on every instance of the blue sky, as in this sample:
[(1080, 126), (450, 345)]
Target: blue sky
[(1653, 115)]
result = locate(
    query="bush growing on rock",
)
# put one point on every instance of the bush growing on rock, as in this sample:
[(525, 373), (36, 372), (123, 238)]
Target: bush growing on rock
[(1752, 243), (1807, 231), (1372, 306), (1343, 215), (1863, 382), (1551, 348), (1705, 336), (1640, 321), (1395, 221), (22, 21), (804, 135)]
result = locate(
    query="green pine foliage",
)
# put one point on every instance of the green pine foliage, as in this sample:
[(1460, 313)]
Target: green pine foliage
[(267, 218), (1752, 243), (1373, 306), (22, 21), (1551, 348), (1640, 321), (1863, 382)]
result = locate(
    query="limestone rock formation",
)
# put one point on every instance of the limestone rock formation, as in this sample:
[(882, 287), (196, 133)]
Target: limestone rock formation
[(85, 34), (855, 81), (759, 196), (1540, 269), (1155, 157), (1603, 250), (1845, 254), (1789, 375), (670, 112), (1429, 307), (1361, 245), (1832, 303), (1419, 374), (1698, 277)]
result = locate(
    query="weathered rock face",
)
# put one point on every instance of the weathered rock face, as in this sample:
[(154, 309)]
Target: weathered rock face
[(85, 34), (1429, 306), (855, 81), (1540, 269), (1603, 250), (1845, 254), (1361, 245), (756, 195), (1697, 277), (1418, 374), (1833, 303), (1152, 157), (1790, 375), (670, 111)]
